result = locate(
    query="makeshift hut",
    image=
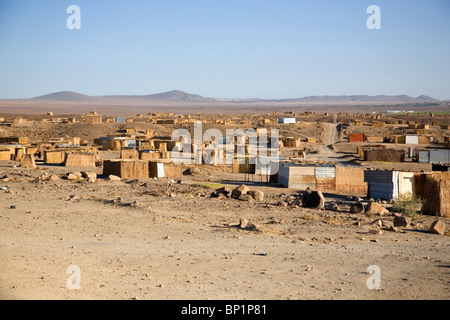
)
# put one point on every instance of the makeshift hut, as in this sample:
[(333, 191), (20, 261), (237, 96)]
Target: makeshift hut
[(86, 160), (126, 168), (385, 155), (434, 190), (162, 169)]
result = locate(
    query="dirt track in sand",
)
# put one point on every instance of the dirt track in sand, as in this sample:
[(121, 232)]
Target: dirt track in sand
[(150, 240)]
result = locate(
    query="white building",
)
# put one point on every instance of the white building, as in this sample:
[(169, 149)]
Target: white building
[(286, 120)]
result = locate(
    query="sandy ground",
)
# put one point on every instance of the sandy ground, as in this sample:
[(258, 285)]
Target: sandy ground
[(150, 239)]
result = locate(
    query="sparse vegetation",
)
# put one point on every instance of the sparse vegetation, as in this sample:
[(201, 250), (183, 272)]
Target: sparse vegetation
[(408, 205)]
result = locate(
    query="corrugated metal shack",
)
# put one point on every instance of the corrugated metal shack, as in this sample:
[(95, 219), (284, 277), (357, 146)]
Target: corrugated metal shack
[(347, 180), (389, 184), (291, 175), (433, 156), (326, 178), (382, 184)]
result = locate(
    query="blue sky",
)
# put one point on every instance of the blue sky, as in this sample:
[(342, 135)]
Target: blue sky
[(225, 48)]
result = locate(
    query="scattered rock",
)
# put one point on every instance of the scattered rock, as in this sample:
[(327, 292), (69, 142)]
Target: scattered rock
[(239, 191), (375, 208), (257, 195), (112, 177), (243, 223), (54, 177), (437, 227), (282, 204), (386, 224), (220, 193), (246, 197), (74, 175), (71, 176), (253, 227), (90, 176), (402, 222), (357, 207)]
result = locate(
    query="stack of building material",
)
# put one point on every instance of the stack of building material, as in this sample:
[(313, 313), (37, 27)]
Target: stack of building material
[(385, 155), (126, 169)]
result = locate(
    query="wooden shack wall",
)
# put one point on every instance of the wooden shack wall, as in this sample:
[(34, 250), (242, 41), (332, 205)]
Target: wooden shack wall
[(79, 160), (350, 180), (436, 194), (126, 169)]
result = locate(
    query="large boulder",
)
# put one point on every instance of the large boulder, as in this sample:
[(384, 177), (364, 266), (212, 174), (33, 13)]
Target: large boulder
[(375, 208), (437, 227)]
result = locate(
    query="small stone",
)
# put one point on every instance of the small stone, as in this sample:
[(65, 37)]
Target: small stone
[(243, 223)]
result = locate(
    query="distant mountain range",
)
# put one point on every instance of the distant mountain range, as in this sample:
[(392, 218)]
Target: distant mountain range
[(175, 95), (183, 97)]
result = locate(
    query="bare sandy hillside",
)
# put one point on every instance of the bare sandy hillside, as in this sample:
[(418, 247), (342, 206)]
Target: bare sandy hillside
[(148, 239)]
